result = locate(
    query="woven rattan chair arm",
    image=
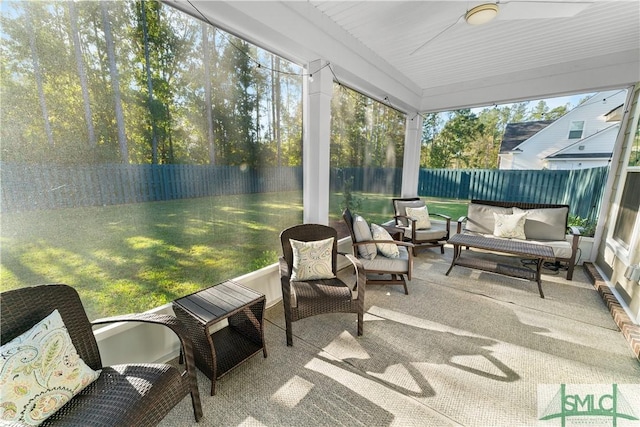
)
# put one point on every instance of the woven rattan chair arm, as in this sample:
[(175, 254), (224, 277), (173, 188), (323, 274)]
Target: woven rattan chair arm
[(185, 342), (158, 319), (284, 268), (361, 275)]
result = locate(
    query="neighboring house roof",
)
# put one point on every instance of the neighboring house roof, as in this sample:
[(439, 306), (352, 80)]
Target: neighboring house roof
[(595, 146), (516, 133), (552, 140), (614, 115)]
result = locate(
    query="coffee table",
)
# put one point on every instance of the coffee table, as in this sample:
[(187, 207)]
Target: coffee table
[(218, 352), (506, 246)]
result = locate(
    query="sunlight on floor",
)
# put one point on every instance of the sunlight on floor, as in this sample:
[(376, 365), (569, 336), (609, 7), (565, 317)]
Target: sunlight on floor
[(292, 392)]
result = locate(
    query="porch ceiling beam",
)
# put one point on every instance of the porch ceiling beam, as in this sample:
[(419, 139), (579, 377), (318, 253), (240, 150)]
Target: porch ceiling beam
[(611, 71)]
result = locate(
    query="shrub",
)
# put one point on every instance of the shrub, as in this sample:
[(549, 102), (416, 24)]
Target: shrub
[(587, 226)]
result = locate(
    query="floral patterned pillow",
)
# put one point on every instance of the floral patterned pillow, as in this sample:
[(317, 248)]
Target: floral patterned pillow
[(511, 226), (421, 215), (312, 260), (40, 371)]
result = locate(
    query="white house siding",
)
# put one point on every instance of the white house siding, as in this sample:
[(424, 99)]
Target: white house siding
[(553, 138), (590, 152)]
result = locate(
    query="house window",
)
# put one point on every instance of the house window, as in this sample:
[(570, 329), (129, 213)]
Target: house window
[(575, 129)]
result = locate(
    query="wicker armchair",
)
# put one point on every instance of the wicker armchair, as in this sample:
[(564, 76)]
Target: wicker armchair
[(123, 395), (312, 297), (435, 236)]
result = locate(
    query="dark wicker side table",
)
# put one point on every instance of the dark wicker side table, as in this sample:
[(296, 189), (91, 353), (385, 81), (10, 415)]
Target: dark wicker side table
[(218, 352)]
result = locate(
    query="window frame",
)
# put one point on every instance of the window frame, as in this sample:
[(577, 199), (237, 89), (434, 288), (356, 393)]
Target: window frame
[(620, 248), (571, 125)]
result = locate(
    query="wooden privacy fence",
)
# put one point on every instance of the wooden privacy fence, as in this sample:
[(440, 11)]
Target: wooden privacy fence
[(38, 187), (582, 189), (34, 187)]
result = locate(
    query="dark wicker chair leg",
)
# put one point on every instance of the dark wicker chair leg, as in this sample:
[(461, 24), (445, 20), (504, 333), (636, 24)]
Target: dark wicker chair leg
[(197, 406), (289, 332)]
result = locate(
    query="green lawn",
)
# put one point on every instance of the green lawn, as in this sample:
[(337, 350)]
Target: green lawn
[(130, 258), (378, 208)]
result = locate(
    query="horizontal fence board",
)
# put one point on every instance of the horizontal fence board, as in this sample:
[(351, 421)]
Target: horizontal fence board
[(28, 187)]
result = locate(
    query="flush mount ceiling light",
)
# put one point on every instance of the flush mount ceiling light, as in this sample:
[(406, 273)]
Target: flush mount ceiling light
[(481, 14)]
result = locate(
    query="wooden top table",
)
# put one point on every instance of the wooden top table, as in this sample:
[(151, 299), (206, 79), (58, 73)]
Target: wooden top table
[(219, 352), (506, 246)]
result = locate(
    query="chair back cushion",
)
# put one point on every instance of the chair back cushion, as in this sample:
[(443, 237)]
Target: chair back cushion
[(22, 308), (362, 233), (400, 206)]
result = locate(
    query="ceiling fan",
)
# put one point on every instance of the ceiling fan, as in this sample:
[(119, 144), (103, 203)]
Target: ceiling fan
[(513, 10)]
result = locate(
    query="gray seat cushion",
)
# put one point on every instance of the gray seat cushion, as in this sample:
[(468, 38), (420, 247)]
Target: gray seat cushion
[(390, 265), (436, 232)]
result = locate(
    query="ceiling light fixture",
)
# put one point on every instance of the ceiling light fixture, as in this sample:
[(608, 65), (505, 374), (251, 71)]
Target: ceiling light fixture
[(481, 14)]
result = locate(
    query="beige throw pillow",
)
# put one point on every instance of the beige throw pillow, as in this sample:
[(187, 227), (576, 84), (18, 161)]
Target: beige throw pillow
[(312, 260), (421, 215), (510, 226), (390, 250), (362, 233), (40, 371)]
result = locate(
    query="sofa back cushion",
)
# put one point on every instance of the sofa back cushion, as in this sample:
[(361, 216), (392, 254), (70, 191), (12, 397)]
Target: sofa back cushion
[(545, 223), (480, 217)]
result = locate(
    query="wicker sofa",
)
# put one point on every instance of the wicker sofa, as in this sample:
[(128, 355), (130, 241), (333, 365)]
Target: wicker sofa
[(545, 224), (136, 394)]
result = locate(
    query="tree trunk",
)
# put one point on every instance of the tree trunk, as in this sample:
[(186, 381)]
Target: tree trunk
[(275, 106), (147, 62), (82, 73), (38, 76), (115, 82), (207, 93)]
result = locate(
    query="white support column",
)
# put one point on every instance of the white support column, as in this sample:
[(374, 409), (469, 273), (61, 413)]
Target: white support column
[(315, 143), (411, 161)]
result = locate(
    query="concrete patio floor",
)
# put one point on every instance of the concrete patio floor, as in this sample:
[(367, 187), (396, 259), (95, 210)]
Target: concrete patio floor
[(471, 349)]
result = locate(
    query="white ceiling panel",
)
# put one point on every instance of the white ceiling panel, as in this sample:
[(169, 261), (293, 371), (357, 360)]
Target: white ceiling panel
[(424, 50)]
